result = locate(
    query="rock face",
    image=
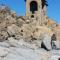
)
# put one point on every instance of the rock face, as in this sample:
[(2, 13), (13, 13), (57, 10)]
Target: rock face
[(35, 32), (13, 49), (12, 25)]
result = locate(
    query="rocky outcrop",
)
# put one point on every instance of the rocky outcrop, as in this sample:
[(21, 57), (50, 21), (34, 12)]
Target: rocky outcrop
[(30, 30)]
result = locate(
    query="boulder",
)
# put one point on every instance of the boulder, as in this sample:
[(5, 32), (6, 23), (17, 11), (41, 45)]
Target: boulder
[(46, 43)]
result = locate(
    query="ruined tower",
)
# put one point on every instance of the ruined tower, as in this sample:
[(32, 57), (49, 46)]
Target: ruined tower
[(35, 9)]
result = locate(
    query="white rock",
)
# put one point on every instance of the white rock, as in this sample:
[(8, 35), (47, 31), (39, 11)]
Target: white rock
[(3, 52), (47, 41)]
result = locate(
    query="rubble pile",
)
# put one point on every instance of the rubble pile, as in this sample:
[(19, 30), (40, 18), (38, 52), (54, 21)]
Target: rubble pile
[(13, 25)]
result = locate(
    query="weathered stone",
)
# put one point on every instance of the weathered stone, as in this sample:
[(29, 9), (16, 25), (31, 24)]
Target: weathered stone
[(57, 32), (26, 31), (20, 22), (56, 45), (3, 26), (46, 42), (40, 31), (18, 37), (13, 30), (10, 20), (3, 35)]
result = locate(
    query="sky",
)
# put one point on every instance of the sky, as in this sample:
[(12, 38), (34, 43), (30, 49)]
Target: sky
[(17, 5), (53, 9)]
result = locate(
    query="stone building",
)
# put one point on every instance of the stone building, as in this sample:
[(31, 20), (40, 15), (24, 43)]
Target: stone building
[(36, 9)]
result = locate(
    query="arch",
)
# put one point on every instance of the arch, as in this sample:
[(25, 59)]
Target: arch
[(33, 6)]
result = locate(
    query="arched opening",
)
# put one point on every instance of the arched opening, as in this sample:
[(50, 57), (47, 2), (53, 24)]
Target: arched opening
[(33, 6)]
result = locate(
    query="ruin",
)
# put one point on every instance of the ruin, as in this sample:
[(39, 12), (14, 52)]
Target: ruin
[(34, 9)]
